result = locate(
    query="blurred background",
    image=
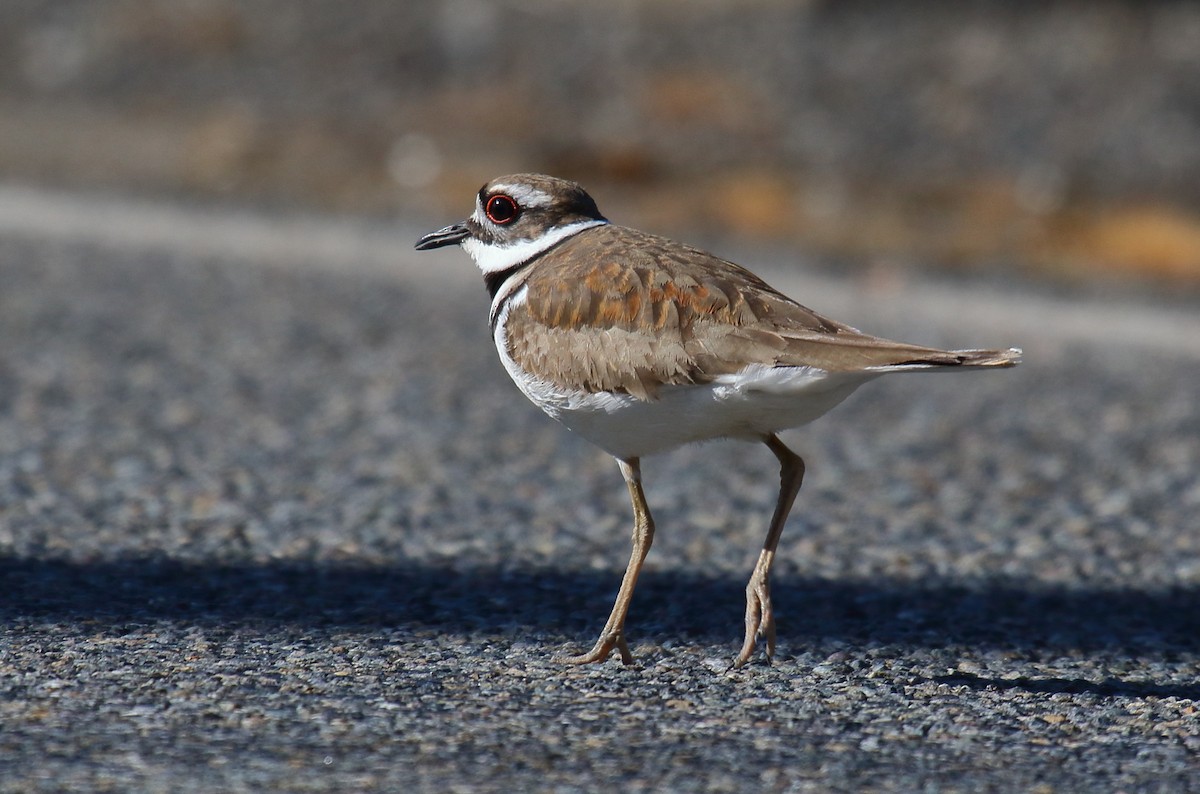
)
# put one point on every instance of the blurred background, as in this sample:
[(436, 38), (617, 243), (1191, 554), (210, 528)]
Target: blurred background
[(1056, 137)]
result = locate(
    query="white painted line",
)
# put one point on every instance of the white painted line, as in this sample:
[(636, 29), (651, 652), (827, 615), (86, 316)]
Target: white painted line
[(956, 314), (302, 241)]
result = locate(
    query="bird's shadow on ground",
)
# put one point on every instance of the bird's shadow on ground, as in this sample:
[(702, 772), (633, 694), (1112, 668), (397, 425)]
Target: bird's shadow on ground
[(678, 605)]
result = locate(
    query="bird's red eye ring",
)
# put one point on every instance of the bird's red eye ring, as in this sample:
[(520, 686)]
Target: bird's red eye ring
[(501, 209)]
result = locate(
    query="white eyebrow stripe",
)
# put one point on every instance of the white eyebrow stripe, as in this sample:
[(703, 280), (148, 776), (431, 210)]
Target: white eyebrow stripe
[(525, 195)]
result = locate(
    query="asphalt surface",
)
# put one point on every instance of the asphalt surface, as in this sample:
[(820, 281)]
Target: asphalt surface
[(272, 518)]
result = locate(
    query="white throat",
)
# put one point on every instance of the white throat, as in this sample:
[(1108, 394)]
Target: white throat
[(494, 257)]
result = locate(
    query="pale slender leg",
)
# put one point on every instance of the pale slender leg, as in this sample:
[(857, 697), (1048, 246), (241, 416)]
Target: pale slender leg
[(613, 635), (760, 620)]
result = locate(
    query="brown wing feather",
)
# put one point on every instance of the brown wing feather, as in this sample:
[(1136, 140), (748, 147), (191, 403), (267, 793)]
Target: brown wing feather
[(635, 311)]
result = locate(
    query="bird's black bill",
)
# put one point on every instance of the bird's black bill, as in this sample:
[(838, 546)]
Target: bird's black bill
[(451, 235)]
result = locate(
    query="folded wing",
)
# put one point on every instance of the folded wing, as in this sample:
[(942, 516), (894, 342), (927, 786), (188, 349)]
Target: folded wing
[(645, 312)]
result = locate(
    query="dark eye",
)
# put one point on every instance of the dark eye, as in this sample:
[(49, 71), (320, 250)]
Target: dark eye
[(501, 210)]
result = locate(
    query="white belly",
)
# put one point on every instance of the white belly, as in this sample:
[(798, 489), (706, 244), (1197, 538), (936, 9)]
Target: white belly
[(627, 427)]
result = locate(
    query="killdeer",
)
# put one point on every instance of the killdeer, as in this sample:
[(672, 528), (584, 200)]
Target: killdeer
[(641, 344)]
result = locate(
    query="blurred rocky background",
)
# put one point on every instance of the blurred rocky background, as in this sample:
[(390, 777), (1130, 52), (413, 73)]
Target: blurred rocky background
[(1061, 137)]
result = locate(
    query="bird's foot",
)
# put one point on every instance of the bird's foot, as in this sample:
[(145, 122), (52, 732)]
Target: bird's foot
[(605, 644), (760, 620)]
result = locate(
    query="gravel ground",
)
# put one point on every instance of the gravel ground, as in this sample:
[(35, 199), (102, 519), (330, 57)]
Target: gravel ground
[(291, 528)]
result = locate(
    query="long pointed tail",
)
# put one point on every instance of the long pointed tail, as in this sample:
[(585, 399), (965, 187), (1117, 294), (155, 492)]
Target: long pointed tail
[(952, 360), (988, 358)]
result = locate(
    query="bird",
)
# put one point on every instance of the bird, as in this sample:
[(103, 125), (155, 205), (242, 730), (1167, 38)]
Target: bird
[(641, 344)]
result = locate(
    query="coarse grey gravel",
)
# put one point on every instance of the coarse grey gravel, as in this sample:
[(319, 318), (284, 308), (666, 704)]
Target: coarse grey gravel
[(291, 529)]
